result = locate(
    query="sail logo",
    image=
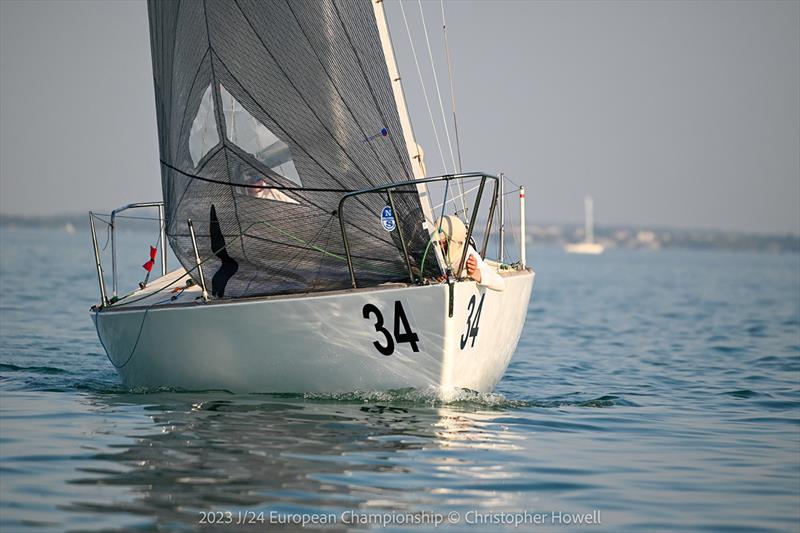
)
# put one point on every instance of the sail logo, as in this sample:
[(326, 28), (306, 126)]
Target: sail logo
[(387, 219), (383, 133)]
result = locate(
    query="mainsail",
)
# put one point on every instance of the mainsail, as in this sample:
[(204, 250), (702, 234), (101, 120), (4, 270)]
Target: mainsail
[(268, 112)]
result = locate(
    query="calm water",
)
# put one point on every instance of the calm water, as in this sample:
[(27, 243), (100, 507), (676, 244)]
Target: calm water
[(658, 390)]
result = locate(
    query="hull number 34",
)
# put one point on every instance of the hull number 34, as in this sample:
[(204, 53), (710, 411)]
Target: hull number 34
[(472, 323), (402, 329), (402, 332)]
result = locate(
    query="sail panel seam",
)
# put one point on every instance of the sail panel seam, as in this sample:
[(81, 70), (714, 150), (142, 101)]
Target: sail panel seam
[(409, 174), (300, 94), (339, 92)]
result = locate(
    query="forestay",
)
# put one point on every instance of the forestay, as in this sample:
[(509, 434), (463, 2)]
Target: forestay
[(267, 113)]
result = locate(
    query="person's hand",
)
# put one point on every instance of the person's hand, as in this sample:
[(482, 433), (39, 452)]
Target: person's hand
[(472, 268)]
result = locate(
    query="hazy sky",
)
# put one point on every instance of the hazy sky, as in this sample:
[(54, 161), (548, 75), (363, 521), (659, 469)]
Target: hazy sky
[(683, 114)]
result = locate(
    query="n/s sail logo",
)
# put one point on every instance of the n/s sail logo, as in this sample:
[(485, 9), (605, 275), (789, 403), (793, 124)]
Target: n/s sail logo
[(387, 219)]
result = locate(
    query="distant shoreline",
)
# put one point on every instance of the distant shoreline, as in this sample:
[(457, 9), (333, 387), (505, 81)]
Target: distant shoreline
[(619, 237), (657, 238)]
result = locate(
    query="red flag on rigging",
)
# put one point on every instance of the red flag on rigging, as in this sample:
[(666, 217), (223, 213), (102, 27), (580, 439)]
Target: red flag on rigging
[(149, 265)]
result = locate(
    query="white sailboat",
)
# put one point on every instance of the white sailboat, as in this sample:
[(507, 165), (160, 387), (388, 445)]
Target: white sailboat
[(588, 246), (296, 202)]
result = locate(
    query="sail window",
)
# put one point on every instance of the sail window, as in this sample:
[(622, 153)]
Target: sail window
[(243, 130), (203, 135), (266, 193)]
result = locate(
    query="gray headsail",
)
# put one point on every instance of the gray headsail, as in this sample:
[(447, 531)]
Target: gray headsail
[(267, 113)]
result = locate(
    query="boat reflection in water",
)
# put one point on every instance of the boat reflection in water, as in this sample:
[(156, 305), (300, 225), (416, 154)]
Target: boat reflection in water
[(289, 454)]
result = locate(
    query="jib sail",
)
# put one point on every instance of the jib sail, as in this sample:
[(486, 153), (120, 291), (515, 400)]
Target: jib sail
[(268, 112)]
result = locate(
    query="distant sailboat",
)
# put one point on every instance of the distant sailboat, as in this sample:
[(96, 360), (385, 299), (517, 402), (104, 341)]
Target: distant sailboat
[(588, 246)]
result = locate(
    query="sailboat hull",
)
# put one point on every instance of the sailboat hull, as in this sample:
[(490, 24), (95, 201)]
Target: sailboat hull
[(589, 248), (365, 339)]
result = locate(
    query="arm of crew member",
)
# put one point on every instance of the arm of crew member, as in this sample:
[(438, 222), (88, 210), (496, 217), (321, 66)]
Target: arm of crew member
[(485, 275)]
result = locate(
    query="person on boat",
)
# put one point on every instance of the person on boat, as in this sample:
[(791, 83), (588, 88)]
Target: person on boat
[(261, 189), (452, 236)]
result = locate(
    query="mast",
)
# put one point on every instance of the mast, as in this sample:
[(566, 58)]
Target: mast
[(589, 219), (414, 150)]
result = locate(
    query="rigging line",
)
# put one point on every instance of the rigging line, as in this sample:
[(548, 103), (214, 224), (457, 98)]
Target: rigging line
[(441, 105), (252, 186), (324, 251), (108, 235), (298, 239), (512, 182), (288, 261), (436, 83), (424, 91), (299, 190), (451, 200), (131, 217), (135, 344), (452, 91), (327, 243), (437, 206), (99, 216)]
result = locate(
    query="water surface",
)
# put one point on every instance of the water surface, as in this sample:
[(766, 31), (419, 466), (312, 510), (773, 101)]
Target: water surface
[(659, 390)]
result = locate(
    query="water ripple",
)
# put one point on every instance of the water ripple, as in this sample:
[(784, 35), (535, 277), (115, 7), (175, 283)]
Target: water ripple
[(643, 387)]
